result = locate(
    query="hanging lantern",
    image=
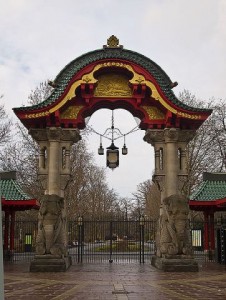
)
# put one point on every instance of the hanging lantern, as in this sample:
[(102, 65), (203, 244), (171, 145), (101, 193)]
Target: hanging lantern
[(124, 150), (112, 156), (101, 150), (142, 220)]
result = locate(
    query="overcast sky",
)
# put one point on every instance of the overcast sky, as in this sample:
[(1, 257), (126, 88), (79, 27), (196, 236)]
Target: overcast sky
[(186, 38)]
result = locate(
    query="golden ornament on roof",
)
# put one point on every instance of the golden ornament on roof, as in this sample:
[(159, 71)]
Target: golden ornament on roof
[(113, 42)]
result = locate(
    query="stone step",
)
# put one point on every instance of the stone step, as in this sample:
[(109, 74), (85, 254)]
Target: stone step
[(41, 263)]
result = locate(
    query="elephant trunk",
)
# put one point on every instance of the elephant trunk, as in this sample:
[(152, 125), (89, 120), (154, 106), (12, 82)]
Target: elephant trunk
[(49, 237)]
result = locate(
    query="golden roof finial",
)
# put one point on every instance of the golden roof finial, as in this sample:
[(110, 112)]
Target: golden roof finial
[(113, 42)]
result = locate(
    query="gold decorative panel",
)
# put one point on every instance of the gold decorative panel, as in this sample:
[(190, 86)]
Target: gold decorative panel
[(113, 85), (71, 112), (153, 112)]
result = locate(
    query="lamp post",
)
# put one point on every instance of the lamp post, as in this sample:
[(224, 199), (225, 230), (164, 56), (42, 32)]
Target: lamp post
[(142, 220), (142, 223), (80, 238)]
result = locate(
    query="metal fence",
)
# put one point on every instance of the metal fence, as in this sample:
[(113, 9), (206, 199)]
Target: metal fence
[(127, 241), (23, 243), (214, 249), (111, 241)]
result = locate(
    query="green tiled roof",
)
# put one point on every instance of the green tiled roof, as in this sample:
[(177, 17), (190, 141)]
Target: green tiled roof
[(11, 190), (63, 78), (212, 188)]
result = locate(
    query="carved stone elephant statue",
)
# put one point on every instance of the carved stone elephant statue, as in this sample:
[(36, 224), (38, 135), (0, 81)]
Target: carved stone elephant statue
[(51, 238), (173, 235)]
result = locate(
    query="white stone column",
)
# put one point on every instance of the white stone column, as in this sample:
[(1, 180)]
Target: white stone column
[(171, 162), (155, 137), (185, 136), (52, 174), (171, 178), (172, 237), (41, 158)]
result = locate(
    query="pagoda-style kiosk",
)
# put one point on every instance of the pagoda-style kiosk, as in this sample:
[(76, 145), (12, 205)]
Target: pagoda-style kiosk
[(209, 198), (13, 199), (113, 77)]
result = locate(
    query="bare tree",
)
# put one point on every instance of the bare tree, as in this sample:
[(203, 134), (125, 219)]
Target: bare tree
[(5, 123), (206, 152), (40, 93), (147, 199), (88, 193)]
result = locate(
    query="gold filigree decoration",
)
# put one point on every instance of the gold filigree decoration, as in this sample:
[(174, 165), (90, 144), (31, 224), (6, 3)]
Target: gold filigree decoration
[(87, 79), (153, 112), (189, 116), (113, 85), (71, 112), (139, 79), (37, 115), (113, 42)]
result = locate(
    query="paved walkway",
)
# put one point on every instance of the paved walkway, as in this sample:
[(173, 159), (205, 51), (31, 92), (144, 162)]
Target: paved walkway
[(118, 282)]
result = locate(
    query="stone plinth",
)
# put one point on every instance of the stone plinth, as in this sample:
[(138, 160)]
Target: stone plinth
[(175, 264), (50, 263)]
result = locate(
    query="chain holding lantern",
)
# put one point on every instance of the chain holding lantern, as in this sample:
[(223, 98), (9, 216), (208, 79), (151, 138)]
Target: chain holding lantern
[(112, 134)]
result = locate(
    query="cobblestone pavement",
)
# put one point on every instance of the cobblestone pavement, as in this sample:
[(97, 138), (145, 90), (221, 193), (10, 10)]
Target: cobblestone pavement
[(119, 282)]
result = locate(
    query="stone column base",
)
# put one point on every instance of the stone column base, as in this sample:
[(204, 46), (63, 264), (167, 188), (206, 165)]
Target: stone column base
[(175, 264), (50, 263)]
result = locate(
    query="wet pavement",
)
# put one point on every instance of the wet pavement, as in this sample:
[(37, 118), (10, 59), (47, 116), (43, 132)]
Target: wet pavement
[(115, 281)]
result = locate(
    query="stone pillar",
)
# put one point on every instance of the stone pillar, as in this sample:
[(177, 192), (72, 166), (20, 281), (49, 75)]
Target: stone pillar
[(54, 175), (170, 158), (173, 243), (171, 165), (54, 171), (54, 157), (156, 139)]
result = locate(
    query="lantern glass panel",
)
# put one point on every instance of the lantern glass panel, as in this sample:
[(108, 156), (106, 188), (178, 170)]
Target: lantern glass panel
[(112, 158)]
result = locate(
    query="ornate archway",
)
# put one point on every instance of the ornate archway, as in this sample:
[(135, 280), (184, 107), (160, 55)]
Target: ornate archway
[(112, 78)]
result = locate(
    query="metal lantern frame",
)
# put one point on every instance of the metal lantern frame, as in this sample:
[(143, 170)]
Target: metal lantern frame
[(112, 157), (112, 134)]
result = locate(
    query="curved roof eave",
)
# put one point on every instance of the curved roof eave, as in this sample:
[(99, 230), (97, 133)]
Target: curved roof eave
[(209, 191), (62, 79)]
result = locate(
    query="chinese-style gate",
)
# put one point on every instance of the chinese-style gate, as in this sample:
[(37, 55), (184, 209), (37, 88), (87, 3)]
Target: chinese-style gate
[(111, 78)]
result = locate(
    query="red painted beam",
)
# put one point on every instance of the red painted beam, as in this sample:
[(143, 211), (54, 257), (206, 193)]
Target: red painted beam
[(33, 203)]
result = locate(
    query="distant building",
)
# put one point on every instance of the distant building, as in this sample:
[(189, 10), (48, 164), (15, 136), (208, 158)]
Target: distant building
[(210, 197)]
